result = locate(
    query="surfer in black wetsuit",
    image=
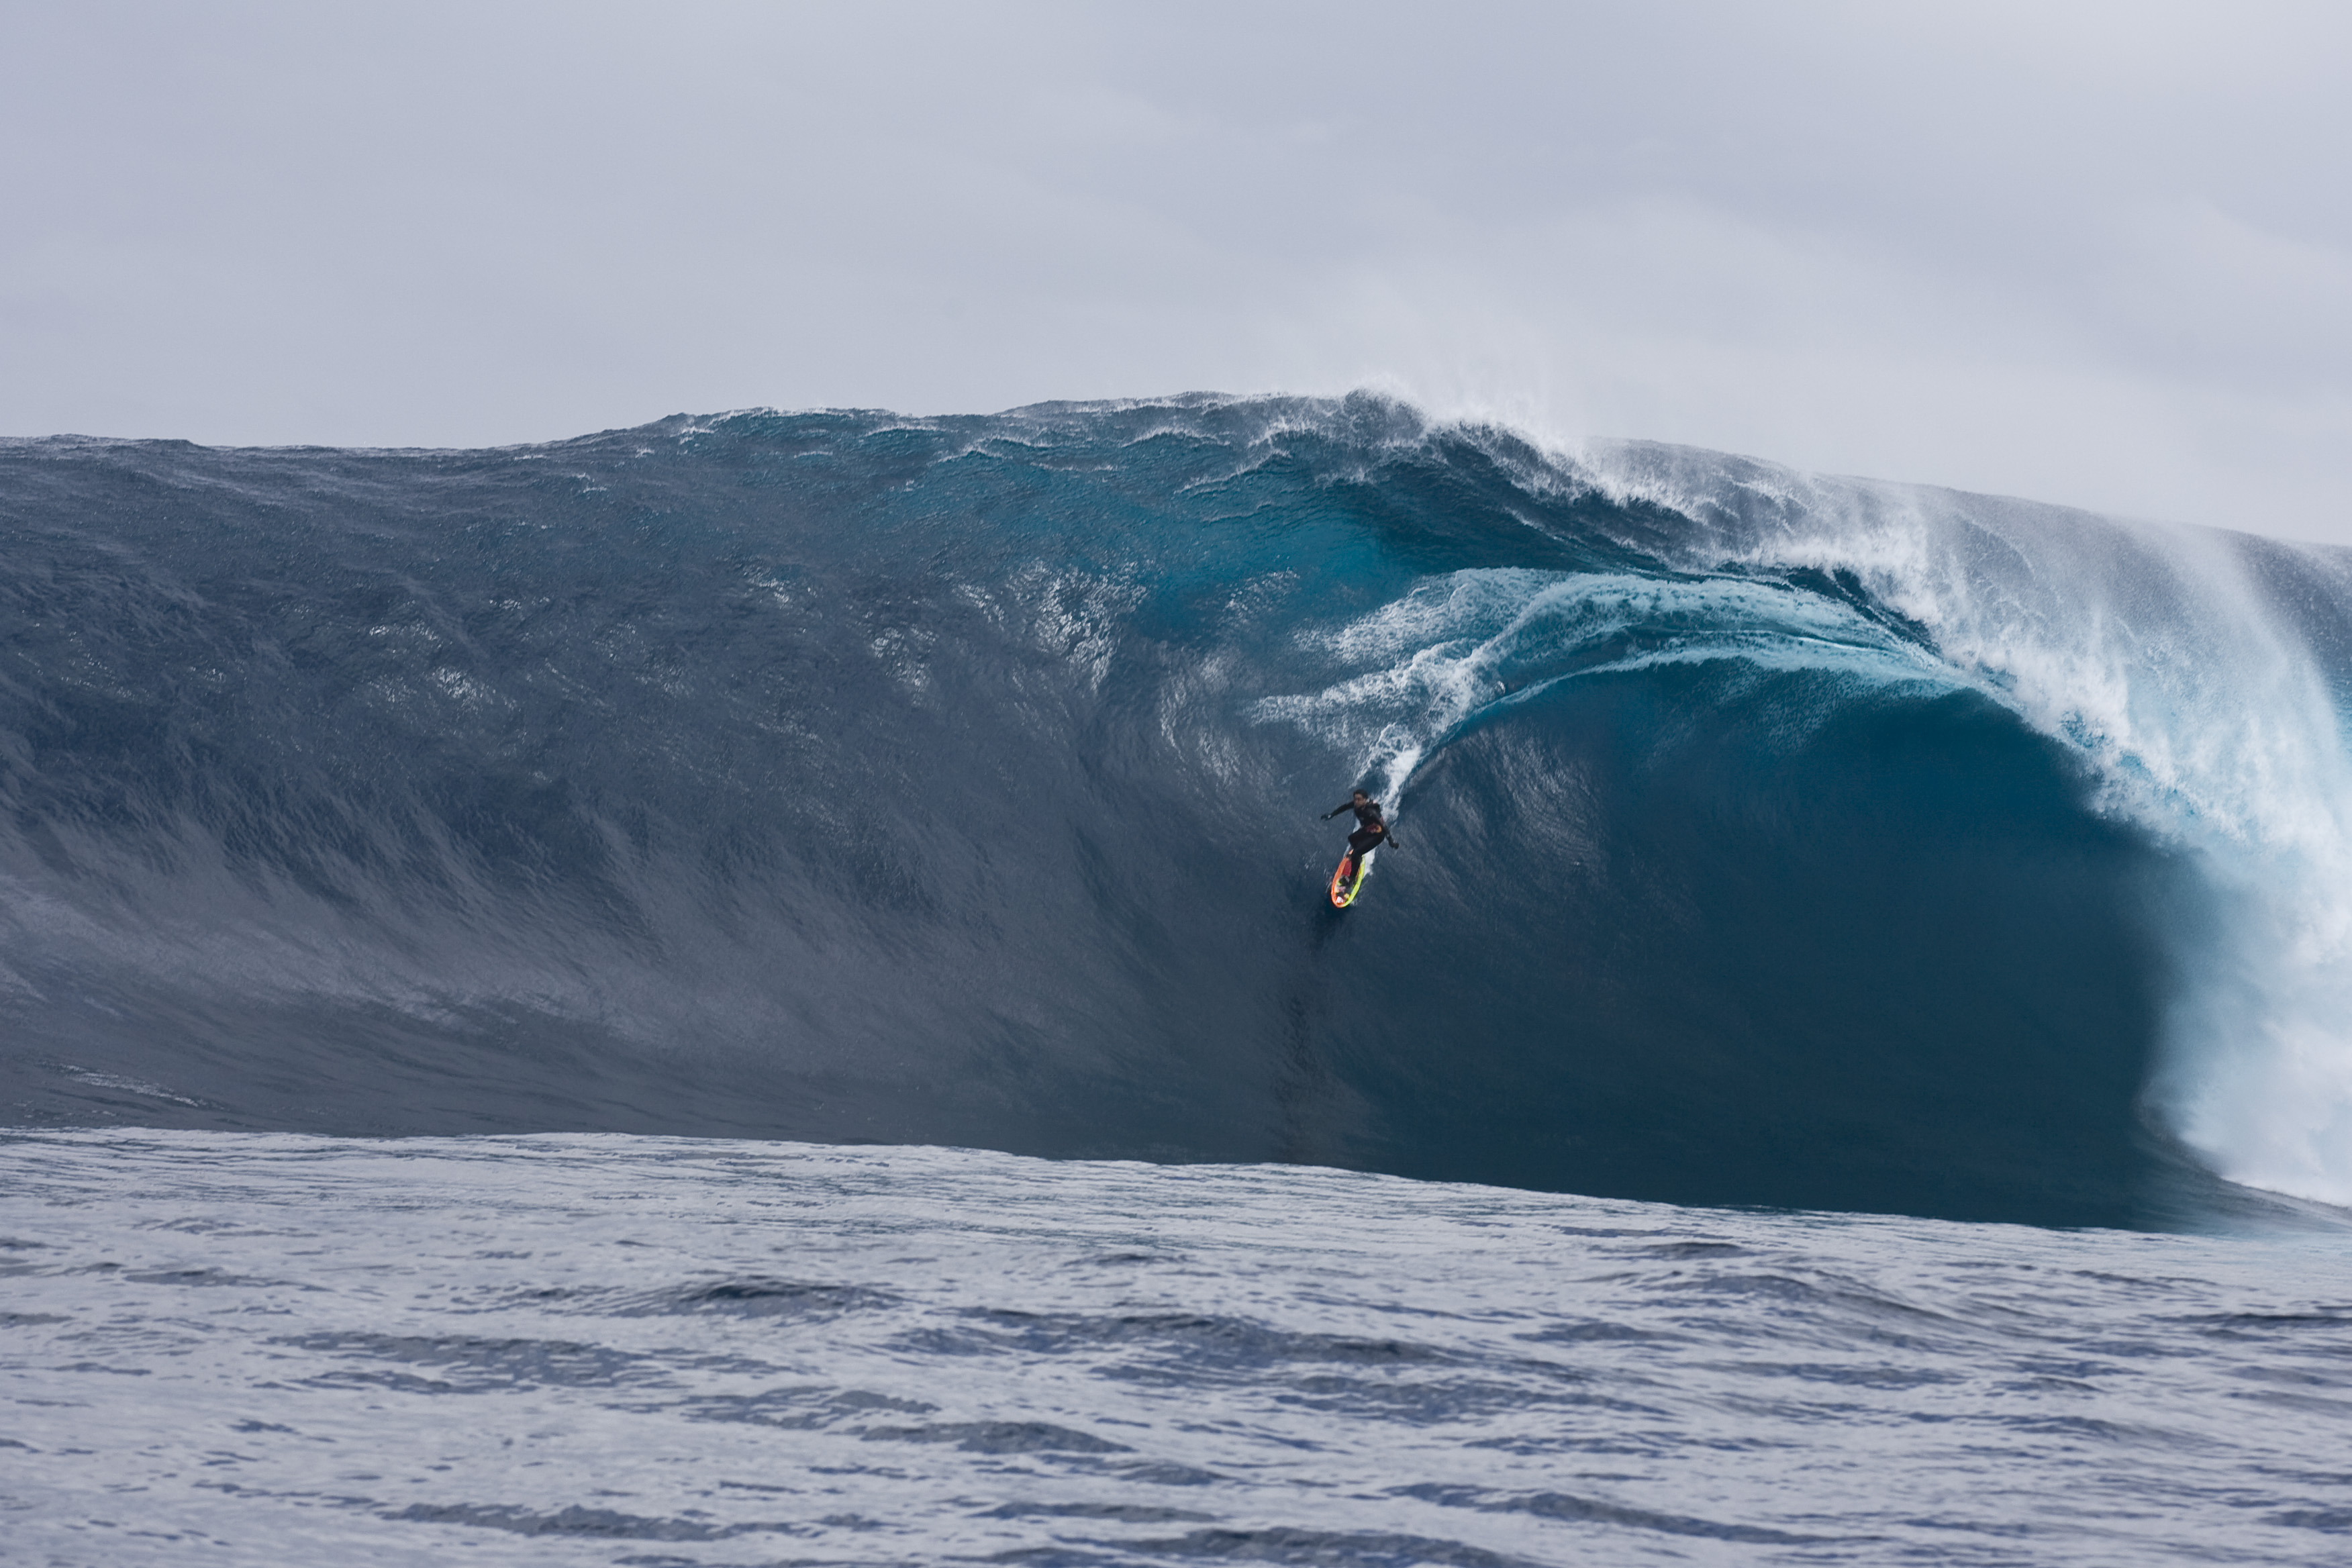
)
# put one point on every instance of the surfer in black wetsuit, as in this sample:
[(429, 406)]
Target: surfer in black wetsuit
[(1370, 828)]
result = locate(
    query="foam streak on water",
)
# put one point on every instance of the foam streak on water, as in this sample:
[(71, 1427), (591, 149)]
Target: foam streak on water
[(222, 1348), (1460, 649)]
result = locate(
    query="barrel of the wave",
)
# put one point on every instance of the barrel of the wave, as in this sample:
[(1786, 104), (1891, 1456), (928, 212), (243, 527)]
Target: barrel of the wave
[(1348, 879)]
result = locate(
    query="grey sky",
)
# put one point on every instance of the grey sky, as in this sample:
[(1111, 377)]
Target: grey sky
[(2099, 254)]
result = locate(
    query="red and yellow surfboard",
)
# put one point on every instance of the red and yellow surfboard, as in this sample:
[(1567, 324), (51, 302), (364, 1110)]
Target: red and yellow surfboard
[(1347, 881)]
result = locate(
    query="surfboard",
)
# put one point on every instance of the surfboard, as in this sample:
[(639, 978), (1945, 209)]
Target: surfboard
[(1343, 890)]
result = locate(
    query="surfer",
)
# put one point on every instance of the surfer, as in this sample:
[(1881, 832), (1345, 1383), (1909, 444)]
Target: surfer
[(1370, 827)]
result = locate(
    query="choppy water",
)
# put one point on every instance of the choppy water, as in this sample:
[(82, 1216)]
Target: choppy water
[(602, 1349)]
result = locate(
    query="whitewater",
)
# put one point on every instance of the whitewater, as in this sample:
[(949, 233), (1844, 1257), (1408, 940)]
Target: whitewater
[(756, 989)]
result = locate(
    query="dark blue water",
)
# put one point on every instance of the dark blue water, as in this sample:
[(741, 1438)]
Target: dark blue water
[(848, 777)]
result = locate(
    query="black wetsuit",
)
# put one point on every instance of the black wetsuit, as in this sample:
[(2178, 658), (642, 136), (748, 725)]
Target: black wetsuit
[(1369, 829)]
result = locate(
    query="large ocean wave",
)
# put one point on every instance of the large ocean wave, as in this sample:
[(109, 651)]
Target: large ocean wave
[(1763, 838)]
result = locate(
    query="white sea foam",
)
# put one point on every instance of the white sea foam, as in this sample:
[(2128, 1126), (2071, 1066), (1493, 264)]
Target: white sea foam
[(1422, 666)]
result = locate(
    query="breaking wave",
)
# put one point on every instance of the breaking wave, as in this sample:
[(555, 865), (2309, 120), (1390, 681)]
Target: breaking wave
[(1763, 838)]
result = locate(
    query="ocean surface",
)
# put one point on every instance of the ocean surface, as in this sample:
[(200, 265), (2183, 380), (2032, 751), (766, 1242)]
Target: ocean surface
[(631, 1350), (788, 951)]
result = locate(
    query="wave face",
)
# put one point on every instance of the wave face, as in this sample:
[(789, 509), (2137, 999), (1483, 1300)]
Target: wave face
[(847, 776)]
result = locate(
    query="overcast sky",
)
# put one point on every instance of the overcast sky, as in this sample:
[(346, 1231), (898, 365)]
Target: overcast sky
[(2099, 254)]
